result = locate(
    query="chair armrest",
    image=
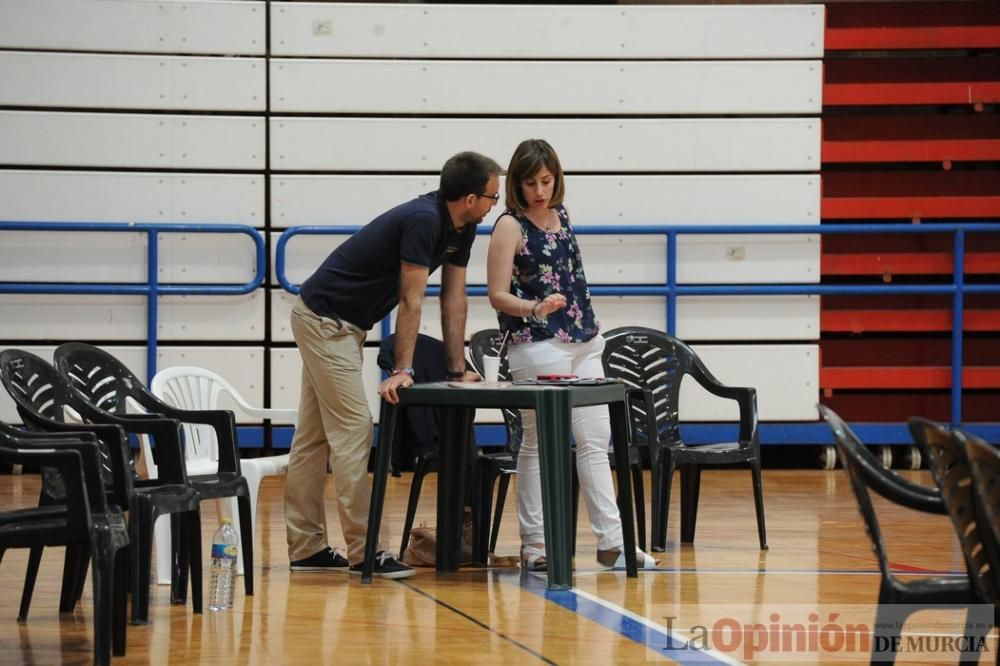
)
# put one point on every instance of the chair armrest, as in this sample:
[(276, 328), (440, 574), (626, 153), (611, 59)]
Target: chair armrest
[(222, 421), (744, 396), (271, 413), (110, 435), (84, 443), (70, 466)]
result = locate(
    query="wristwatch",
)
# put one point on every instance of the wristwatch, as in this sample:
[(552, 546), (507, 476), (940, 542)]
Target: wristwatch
[(403, 371)]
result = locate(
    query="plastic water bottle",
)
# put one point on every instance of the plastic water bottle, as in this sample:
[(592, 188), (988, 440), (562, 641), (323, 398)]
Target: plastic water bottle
[(225, 548)]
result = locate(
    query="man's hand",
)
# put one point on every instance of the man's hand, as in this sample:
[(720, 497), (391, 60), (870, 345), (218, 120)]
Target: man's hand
[(469, 376), (387, 389)]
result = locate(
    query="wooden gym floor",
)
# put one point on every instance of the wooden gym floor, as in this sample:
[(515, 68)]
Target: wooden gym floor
[(819, 570)]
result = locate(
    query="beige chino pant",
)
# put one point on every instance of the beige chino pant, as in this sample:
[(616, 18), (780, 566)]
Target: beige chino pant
[(334, 424)]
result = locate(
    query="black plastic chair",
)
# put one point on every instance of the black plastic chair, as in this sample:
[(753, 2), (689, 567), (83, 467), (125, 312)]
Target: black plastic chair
[(984, 464), (110, 385), (897, 598), (43, 397), (494, 467), (83, 521), (656, 363), (420, 424), (945, 452), (489, 342)]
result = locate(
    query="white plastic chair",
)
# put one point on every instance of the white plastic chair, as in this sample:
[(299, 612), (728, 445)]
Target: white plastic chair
[(197, 388)]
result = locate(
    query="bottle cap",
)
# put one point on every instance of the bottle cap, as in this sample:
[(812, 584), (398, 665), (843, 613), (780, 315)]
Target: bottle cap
[(227, 521)]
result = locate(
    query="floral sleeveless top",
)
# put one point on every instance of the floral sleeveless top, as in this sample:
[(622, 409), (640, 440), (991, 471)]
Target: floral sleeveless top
[(549, 263)]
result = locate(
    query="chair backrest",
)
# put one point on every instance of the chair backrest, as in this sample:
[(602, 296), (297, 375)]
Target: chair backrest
[(865, 472), (984, 464), (98, 375), (41, 393), (36, 386), (489, 342), (651, 360), (950, 468), (192, 388)]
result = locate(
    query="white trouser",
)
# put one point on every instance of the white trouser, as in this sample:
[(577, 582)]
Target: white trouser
[(591, 430)]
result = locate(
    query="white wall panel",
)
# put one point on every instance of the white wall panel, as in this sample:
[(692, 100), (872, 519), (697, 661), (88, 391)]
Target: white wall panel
[(790, 395), (354, 200), (37, 256), (112, 317), (94, 196), (423, 144), (786, 378), (698, 317), (235, 27), (281, 309), (631, 259), (746, 258), (220, 318), (737, 317), (243, 367), (584, 88), (286, 378), (491, 31), (131, 140), (132, 82)]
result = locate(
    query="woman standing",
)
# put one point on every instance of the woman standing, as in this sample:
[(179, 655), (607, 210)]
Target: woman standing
[(537, 285)]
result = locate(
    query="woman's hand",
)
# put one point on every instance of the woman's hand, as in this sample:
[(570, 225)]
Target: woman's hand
[(550, 304)]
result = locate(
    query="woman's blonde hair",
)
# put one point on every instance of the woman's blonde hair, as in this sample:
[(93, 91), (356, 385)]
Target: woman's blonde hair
[(528, 159)]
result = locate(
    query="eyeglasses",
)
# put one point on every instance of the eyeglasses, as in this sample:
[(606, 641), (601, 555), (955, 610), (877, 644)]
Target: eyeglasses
[(495, 197)]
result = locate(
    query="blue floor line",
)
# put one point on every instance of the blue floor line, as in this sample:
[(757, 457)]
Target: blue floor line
[(618, 620)]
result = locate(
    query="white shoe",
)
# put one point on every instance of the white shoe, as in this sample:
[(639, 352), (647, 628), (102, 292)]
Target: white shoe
[(643, 561)]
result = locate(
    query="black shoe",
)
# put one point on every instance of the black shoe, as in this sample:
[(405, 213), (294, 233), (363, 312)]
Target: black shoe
[(386, 566), (327, 559)]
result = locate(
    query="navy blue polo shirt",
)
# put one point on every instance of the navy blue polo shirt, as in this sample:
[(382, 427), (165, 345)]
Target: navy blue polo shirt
[(359, 281)]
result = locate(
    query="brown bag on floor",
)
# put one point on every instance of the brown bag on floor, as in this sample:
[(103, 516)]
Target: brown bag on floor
[(421, 551)]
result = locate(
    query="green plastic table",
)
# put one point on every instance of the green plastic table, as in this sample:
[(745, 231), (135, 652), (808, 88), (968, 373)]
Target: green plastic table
[(553, 406)]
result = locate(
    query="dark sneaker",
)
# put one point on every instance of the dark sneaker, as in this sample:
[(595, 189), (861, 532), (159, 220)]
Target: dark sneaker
[(386, 566), (327, 559)]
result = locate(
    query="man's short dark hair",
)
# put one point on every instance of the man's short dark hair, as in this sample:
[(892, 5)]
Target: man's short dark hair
[(466, 173)]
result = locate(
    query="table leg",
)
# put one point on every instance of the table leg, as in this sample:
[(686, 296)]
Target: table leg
[(453, 465), (553, 415), (620, 441), (388, 421)]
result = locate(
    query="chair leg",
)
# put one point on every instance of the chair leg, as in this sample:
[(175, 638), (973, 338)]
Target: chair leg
[(75, 563), (192, 552), (662, 481), (484, 480), (758, 502), (103, 580), (498, 511), (246, 536), (166, 557), (119, 618), (419, 471), (690, 487), (576, 509), (253, 475), (887, 623), (30, 575), (141, 538), (639, 493), (179, 559)]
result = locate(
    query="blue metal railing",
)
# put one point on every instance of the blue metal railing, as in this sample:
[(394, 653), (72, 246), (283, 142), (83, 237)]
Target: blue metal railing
[(152, 288), (671, 290)]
